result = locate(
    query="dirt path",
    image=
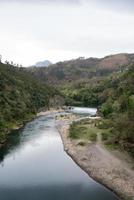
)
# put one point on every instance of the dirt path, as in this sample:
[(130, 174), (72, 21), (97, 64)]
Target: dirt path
[(128, 163), (101, 164)]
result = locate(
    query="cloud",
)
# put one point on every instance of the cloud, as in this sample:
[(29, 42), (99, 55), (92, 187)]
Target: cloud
[(44, 1), (35, 31), (115, 5)]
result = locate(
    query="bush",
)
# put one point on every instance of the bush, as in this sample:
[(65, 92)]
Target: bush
[(82, 130)]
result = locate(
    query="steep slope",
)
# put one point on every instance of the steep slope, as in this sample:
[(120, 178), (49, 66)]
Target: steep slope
[(118, 110), (114, 97), (20, 96)]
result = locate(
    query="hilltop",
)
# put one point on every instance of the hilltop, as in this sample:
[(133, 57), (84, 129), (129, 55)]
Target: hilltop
[(82, 69), (106, 83)]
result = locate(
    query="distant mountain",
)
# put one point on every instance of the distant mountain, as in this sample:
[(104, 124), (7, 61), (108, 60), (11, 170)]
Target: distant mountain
[(44, 63), (83, 69)]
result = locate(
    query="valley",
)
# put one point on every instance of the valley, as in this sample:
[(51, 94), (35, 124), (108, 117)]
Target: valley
[(106, 84)]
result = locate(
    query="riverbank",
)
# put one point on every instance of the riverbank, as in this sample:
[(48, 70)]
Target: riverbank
[(14, 126), (19, 124), (100, 164)]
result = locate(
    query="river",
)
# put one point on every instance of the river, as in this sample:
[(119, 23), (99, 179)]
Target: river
[(34, 166)]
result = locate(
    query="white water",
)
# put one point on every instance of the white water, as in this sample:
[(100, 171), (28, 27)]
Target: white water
[(83, 110)]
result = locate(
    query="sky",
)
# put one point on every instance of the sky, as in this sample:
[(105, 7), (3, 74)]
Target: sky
[(57, 30)]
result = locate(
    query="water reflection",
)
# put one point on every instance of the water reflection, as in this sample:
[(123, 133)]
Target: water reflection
[(18, 137), (55, 192), (35, 167)]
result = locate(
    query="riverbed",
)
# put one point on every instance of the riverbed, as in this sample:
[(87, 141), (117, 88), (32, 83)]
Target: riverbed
[(34, 166)]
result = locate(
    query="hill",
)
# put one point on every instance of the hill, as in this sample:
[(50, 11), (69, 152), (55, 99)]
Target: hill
[(82, 69), (20, 97), (114, 97), (106, 83), (117, 108)]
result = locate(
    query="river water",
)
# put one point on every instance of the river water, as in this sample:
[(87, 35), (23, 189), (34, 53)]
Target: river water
[(34, 166)]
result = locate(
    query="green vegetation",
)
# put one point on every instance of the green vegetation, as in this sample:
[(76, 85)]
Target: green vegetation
[(81, 81), (85, 130), (81, 94), (118, 112), (114, 95), (21, 96), (81, 69), (106, 83)]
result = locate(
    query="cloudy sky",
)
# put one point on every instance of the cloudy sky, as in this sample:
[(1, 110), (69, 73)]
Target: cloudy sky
[(34, 30)]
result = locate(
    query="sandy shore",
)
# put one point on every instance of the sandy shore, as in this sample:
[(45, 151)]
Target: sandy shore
[(101, 165)]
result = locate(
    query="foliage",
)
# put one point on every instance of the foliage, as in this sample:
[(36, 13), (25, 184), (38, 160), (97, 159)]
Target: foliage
[(118, 112), (71, 71), (20, 96), (82, 81), (114, 96), (83, 130)]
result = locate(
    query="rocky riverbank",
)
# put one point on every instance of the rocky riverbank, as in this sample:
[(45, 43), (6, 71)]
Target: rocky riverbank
[(101, 165)]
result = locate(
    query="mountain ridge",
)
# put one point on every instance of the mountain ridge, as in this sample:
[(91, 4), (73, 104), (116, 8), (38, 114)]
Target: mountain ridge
[(86, 68)]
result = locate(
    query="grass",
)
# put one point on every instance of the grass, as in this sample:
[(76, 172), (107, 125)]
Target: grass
[(111, 146), (106, 133), (85, 130)]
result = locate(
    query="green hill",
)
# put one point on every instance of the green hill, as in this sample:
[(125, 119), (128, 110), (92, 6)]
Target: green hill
[(82, 69), (77, 79), (20, 97), (117, 109), (114, 97), (106, 83)]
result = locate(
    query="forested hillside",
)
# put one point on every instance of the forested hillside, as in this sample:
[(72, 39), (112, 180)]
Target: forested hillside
[(82, 69), (20, 97), (106, 83), (114, 97), (118, 110), (77, 79)]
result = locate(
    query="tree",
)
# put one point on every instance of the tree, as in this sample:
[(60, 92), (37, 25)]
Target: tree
[(6, 62), (0, 58)]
